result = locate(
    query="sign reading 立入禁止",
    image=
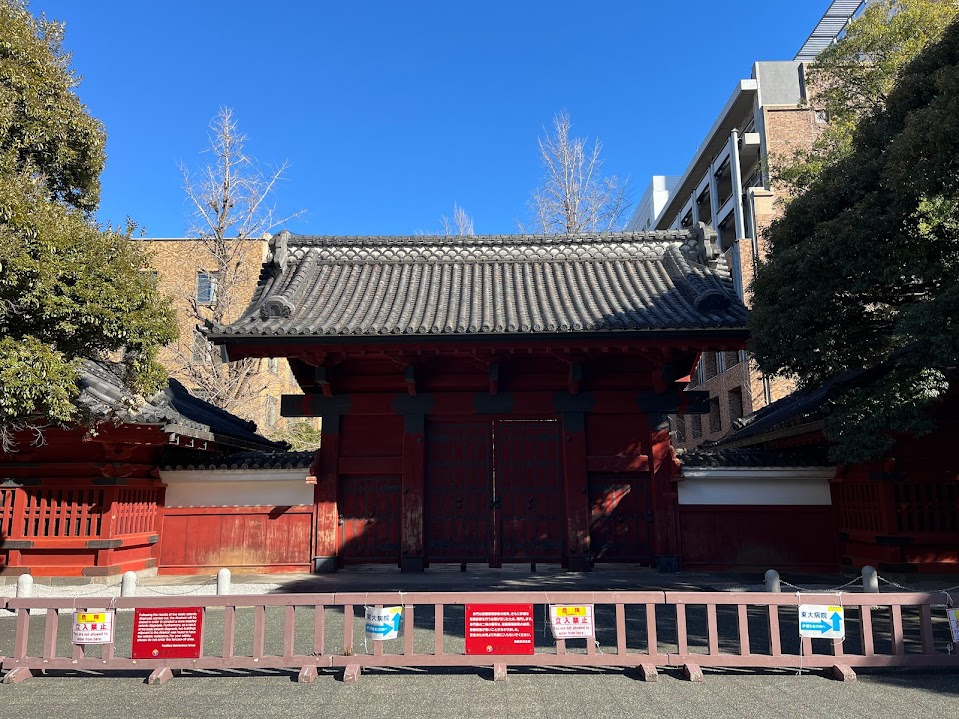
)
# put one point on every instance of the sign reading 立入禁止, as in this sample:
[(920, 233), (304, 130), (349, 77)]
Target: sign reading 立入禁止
[(93, 628), (571, 621), (383, 623), (499, 628), (820, 621), (953, 615)]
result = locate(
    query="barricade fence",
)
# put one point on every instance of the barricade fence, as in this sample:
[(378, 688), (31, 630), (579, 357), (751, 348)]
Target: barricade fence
[(644, 630)]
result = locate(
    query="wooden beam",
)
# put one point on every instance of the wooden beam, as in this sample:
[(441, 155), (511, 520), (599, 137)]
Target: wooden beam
[(409, 376), (493, 377), (323, 382)]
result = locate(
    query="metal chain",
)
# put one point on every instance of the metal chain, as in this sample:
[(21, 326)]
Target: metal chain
[(176, 594), (100, 589), (813, 591)]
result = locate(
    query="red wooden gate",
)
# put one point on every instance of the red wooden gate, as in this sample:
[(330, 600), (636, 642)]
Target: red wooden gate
[(528, 488), (458, 469), (493, 505), (369, 519), (620, 526)]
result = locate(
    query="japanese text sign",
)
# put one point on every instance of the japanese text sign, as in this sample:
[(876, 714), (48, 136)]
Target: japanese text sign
[(499, 628), (571, 622), (93, 628)]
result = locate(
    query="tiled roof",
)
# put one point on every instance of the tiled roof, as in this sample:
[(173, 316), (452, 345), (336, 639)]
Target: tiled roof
[(751, 458), (491, 285), (242, 460), (104, 396)]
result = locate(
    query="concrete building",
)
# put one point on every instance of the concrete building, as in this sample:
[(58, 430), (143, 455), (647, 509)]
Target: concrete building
[(728, 186)]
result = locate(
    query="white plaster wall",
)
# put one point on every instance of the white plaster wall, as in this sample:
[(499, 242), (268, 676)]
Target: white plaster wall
[(755, 491), (236, 488)]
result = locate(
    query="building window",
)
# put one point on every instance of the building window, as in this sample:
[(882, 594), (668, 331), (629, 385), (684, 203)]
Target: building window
[(680, 421), (715, 418), (206, 285), (724, 183), (736, 410), (201, 348), (705, 207), (710, 368), (697, 422), (272, 411)]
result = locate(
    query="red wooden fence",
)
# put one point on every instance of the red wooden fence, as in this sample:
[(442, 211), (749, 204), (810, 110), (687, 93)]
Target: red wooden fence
[(642, 629)]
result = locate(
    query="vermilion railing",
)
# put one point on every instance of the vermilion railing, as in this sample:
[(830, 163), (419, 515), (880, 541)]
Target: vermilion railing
[(638, 629)]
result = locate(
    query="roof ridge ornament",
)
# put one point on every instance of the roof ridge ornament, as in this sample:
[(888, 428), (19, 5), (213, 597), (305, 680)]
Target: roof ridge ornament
[(708, 243), (279, 255)]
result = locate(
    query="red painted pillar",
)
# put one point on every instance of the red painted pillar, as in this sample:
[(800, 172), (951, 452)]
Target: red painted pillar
[(665, 496), (326, 536), (412, 557), (578, 555)]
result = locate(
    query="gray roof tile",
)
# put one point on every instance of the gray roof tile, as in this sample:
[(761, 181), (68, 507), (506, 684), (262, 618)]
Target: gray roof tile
[(491, 285)]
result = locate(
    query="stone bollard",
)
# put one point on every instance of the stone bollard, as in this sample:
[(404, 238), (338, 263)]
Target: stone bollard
[(128, 585), (223, 581), (870, 580), (772, 581), (24, 586)]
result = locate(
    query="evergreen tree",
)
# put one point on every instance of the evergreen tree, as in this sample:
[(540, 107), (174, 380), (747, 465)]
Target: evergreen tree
[(863, 267), (69, 289)]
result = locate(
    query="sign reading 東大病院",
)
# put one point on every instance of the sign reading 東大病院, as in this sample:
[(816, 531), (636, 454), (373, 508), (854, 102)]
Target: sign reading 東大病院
[(820, 621), (383, 623)]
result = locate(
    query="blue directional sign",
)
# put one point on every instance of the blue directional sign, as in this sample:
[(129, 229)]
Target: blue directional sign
[(383, 623), (821, 621)]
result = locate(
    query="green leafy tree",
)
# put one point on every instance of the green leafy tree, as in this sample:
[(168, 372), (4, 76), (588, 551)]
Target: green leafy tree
[(69, 289), (851, 79), (863, 267)]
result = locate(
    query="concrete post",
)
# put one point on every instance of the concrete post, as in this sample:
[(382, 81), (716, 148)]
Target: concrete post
[(772, 581), (128, 585), (223, 581), (870, 580), (24, 586)]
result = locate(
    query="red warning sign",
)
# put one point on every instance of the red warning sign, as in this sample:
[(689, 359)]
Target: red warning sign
[(167, 633), (499, 629)]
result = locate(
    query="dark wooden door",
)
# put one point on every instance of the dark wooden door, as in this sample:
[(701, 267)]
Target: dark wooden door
[(369, 519), (528, 489), (459, 468), (620, 527)]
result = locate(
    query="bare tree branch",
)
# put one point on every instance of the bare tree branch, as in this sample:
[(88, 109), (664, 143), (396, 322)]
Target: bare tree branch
[(231, 198), (575, 197), (460, 224)]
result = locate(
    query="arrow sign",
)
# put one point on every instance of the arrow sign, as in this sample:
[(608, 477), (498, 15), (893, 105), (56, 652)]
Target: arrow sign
[(821, 621), (383, 623)]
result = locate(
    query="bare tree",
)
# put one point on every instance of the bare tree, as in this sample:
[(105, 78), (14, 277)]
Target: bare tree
[(460, 224), (575, 197), (231, 197)]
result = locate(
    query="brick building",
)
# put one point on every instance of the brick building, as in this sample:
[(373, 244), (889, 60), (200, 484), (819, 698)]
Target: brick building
[(185, 271), (728, 186)]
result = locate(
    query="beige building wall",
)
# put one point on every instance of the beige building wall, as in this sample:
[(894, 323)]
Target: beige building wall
[(177, 262)]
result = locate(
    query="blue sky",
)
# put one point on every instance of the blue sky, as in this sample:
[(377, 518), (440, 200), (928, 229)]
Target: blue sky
[(389, 112)]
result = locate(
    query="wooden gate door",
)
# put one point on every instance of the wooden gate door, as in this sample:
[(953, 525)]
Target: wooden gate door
[(620, 526), (528, 490), (369, 519), (459, 467)]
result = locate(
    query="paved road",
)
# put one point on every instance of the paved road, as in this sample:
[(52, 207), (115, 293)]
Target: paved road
[(553, 694)]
